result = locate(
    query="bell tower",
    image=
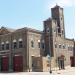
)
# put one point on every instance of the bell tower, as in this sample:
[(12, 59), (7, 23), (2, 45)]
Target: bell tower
[(57, 14)]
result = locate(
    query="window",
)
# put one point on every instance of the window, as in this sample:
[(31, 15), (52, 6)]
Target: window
[(61, 18), (32, 44), (54, 29), (55, 45), (2, 46), (62, 32), (59, 34), (7, 46), (63, 46), (48, 30), (20, 44), (59, 45), (70, 48), (42, 45), (14, 45), (38, 44), (59, 30)]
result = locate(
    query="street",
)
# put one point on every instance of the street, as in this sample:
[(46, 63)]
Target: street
[(68, 71)]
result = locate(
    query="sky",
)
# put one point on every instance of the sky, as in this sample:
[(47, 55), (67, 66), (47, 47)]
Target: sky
[(31, 13)]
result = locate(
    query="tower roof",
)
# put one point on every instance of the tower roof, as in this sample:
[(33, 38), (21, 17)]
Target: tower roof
[(57, 6)]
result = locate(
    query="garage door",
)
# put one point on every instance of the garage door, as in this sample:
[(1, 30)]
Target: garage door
[(4, 63), (18, 63)]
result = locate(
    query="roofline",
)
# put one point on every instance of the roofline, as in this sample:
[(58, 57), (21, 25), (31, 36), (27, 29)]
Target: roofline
[(30, 29), (69, 39), (57, 6), (26, 29)]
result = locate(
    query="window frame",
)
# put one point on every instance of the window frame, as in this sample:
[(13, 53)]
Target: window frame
[(3, 46), (15, 45), (20, 44), (60, 46), (7, 46), (32, 44)]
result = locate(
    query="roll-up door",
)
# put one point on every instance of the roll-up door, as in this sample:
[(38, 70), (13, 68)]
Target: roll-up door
[(18, 63), (4, 63)]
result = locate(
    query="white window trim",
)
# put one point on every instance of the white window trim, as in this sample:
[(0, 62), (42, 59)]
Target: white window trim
[(14, 40), (7, 42), (20, 39), (2, 43), (60, 45), (32, 55)]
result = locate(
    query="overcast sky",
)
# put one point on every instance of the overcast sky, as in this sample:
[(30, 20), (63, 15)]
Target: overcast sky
[(32, 13)]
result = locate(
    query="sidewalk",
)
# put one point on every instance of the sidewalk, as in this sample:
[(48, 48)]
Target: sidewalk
[(67, 71)]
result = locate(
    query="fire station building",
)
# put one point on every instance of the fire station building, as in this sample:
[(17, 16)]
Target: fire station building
[(27, 49)]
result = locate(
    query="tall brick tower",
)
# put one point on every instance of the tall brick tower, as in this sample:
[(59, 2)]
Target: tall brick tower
[(53, 28), (49, 35), (57, 14)]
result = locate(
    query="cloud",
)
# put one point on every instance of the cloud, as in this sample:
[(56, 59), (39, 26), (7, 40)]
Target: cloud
[(63, 3)]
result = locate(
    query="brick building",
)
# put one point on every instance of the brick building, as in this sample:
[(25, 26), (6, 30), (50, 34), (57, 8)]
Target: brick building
[(27, 49), (60, 48)]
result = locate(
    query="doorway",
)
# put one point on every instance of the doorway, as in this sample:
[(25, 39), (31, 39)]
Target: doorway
[(61, 63), (18, 63), (72, 61), (4, 63), (37, 64)]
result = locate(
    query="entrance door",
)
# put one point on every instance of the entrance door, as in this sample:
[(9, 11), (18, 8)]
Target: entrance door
[(61, 63), (37, 64), (4, 63), (18, 63), (72, 61)]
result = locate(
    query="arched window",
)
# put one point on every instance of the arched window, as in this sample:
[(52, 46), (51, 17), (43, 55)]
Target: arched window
[(2, 46), (60, 45), (20, 43), (43, 44), (38, 43), (64, 46), (55, 45), (32, 43), (7, 45), (14, 44), (47, 30)]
